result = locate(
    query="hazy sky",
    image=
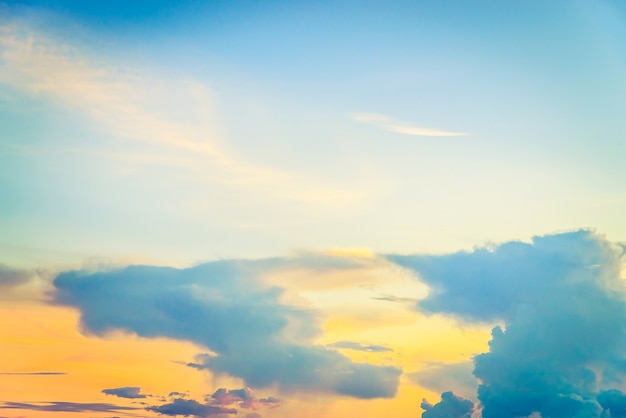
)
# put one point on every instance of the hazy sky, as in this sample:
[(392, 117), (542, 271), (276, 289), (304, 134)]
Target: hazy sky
[(312, 209)]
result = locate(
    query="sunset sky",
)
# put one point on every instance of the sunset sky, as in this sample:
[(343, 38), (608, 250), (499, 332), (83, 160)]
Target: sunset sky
[(325, 209)]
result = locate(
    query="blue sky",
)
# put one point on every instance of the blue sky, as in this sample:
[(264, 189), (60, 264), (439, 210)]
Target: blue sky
[(536, 87), (367, 171)]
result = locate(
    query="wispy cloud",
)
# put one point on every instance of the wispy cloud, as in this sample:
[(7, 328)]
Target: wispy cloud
[(32, 373), (441, 377), (368, 348), (13, 277), (67, 407), (396, 126), (173, 119)]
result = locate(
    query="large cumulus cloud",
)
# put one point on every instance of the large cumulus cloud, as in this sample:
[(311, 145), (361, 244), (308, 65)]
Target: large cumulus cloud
[(561, 351), (222, 306)]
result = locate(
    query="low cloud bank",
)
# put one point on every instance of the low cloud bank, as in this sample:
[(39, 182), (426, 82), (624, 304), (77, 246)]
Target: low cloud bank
[(222, 306)]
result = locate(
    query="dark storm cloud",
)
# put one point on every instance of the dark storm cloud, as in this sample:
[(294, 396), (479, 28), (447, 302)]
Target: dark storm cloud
[(222, 306), (562, 349), (450, 406), (66, 407), (129, 392), (351, 345), (189, 407)]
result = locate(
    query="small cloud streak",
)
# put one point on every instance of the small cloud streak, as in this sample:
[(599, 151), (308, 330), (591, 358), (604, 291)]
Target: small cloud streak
[(66, 407), (32, 373), (128, 392), (395, 126), (351, 345)]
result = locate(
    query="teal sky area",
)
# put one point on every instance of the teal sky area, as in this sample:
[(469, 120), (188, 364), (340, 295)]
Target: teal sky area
[(178, 132)]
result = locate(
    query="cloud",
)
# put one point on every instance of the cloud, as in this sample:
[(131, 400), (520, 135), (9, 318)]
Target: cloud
[(244, 398), (613, 401), (440, 377), (450, 406), (32, 373), (561, 349), (66, 407), (351, 345), (129, 392), (10, 277), (223, 307), (189, 407), (392, 125), (128, 104)]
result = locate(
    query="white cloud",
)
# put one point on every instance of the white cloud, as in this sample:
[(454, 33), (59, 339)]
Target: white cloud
[(170, 122), (393, 125)]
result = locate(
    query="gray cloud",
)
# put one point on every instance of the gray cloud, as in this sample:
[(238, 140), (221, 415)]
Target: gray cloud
[(244, 398), (129, 392), (32, 373), (10, 277), (222, 306), (450, 406), (189, 407), (66, 407), (351, 345), (562, 350)]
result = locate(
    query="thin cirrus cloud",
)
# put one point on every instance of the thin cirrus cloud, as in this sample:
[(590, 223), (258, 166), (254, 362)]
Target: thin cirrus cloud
[(392, 125), (562, 302), (67, 407), (223, 306), (32, 373), (129, 104), (353, 345)]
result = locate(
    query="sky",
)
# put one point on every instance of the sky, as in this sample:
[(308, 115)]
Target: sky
[(312, 209)]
